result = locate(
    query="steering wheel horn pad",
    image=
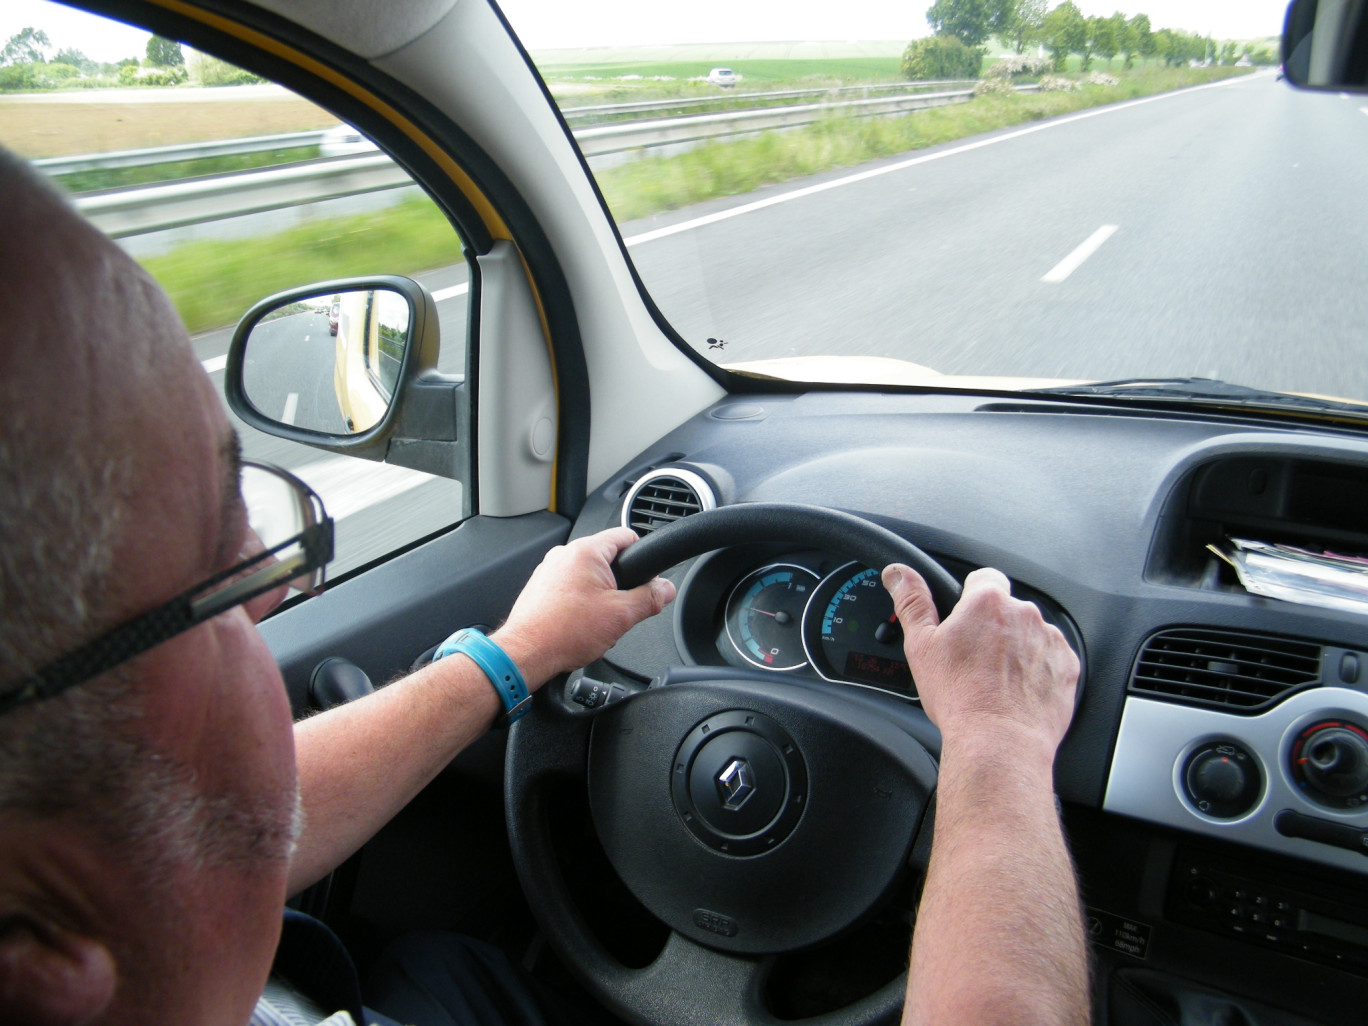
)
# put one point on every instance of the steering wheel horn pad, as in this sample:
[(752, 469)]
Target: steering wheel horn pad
[(825, 857)]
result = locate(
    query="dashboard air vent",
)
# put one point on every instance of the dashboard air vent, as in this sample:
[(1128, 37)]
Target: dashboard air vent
[(1231, 670), (663, 496)]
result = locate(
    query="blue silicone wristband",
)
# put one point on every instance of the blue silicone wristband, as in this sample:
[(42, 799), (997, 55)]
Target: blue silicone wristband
[(502, 672)]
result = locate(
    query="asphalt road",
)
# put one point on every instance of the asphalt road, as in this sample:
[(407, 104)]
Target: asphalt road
[(1217, 232), (1237, 249)]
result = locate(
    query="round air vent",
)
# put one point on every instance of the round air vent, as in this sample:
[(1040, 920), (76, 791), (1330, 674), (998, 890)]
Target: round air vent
[(663, 496)]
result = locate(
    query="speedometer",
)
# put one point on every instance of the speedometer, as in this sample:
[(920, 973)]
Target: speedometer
[(851, 635)]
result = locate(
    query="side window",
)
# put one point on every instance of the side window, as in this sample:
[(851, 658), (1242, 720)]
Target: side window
[(227, 189)]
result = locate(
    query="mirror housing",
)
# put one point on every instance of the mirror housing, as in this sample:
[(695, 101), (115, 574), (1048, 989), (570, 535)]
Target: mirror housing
[(1325, 45), (379, 396)]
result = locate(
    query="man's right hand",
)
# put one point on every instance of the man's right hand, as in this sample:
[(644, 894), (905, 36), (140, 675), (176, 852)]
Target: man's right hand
[(571, 611), (993, 665)]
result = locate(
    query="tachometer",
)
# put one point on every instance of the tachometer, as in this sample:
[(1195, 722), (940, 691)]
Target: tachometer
[(851, 635), (765, 615)]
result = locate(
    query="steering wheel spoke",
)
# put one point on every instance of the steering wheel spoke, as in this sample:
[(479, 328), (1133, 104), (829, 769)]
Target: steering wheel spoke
[(715, 987)]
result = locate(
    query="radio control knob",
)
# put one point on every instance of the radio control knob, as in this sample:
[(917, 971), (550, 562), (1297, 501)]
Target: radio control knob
[(1222, 780)]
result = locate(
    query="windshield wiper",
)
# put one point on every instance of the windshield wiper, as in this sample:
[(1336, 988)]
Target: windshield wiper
[(1204, 390)]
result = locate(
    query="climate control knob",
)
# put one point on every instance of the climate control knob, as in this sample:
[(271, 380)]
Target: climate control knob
[(1330, 764), (1222, 780)]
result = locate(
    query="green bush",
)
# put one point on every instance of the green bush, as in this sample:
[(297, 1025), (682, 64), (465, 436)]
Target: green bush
[(16, 76), (939, 57), (211, 71), (54, 75), (162, 77)]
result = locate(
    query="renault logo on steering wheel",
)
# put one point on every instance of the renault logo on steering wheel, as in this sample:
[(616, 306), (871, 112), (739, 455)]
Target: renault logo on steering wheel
[(735, 784)]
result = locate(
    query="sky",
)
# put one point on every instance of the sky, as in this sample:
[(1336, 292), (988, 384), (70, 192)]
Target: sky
[(547, 24)]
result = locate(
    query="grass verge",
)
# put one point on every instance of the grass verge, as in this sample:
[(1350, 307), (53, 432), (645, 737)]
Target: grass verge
[(716, 169), (213, 282)]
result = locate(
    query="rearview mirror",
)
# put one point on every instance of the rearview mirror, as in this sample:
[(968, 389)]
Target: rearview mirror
[(1325, 44), (349, 366)]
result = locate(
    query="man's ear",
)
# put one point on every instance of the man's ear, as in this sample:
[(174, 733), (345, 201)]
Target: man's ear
[(52, 976)]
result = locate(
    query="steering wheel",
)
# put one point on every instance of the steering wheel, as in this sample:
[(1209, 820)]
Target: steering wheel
[(751, 816)]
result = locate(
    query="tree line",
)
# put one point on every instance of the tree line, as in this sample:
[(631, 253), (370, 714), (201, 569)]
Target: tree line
[(29, 60), (1064, 31)]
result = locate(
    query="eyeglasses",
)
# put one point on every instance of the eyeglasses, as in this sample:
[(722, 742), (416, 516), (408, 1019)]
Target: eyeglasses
[(296, 535)]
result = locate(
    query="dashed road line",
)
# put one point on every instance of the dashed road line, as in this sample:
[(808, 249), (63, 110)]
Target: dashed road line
[(1074, 260), (452, 292)]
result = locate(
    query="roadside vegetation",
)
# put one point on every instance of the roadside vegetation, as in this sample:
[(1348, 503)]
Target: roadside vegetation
[(29, 62), (717, 169), (214, 281)]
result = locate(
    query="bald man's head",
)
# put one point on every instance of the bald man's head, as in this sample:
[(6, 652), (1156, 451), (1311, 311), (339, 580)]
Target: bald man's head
[(168, 783), (90, 345)]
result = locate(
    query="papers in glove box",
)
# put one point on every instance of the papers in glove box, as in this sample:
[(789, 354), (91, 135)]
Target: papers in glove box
[(1298, 575)]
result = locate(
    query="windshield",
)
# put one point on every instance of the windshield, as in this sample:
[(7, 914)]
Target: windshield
[(1011, 195)]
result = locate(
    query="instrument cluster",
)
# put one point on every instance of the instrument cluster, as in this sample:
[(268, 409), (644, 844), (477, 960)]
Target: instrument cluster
[(807, 613)]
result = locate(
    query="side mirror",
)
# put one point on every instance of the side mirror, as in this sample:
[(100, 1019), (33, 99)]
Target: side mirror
[(1325, 44), (349, 366)]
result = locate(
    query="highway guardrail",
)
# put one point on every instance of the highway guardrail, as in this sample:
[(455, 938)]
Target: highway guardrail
[(140, 210)]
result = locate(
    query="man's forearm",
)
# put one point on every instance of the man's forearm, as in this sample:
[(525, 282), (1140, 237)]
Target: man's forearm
[(362, 762), (999, 935)]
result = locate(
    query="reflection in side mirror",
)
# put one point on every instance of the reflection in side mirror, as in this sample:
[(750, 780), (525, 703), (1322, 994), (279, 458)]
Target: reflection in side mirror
[(330, 362), (1325, 44)]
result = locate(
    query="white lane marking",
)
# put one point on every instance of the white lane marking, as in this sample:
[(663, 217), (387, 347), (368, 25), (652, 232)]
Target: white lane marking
[(214, 364), (451, 293), (291, 408), (1364, 109), (349, 485), (1074, 260), (746, 208)]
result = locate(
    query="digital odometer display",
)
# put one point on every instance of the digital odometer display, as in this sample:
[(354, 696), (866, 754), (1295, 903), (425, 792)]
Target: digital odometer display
[(880, 671), (850, 633)]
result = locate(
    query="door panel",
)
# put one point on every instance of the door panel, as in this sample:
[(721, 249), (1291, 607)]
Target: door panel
[(383, 618)]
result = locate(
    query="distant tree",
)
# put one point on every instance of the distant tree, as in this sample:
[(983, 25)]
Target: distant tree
[(1102, 38), (1064, 31), (27, 46), (1120, 37), (1021, 26), (75, 58), (164, 53), (1229, 52), (969, 21), (1165, 42), (1139, 38)]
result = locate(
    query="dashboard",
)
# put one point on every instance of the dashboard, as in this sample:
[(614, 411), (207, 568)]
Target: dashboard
[(1220, 745)]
